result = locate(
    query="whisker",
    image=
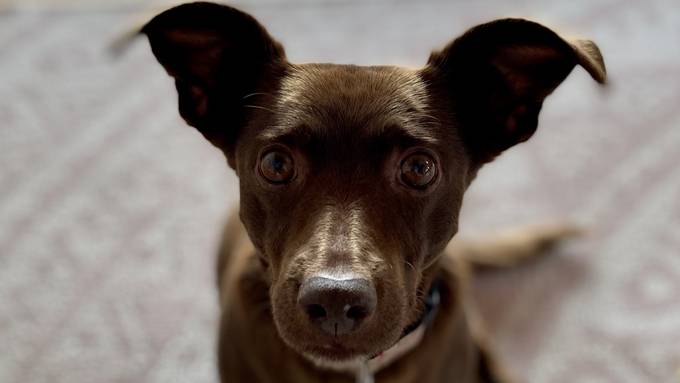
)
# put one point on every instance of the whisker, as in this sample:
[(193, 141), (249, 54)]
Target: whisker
[(254, 94), (259, 107)]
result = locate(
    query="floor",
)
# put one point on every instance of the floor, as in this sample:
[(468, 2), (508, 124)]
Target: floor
[(110, 208)]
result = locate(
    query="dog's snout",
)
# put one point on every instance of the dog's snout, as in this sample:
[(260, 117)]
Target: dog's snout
[(337, 307)]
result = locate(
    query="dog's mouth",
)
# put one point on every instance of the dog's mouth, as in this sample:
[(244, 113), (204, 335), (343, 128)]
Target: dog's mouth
[(334, 351), (337, 352), (335, 356), (330, 350)]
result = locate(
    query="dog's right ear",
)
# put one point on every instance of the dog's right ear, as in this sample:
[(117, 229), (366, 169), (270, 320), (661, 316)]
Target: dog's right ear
[(217, 55), (498, 74)]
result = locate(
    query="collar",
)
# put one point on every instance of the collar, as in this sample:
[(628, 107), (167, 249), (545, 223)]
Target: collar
[(410, 338)]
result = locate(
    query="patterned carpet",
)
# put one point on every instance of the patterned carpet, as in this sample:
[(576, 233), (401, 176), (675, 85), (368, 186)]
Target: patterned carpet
[(110, 208)]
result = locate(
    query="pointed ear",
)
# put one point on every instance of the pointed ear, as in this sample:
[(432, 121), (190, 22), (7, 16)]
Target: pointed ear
[(217, 56), (497, 76)]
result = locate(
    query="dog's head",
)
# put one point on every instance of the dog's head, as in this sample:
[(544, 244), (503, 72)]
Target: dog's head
[(352, 177)]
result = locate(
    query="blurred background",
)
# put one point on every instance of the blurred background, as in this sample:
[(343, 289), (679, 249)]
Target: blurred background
[(111, 208)]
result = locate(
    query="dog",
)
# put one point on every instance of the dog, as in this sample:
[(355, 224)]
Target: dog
[(336, 268)]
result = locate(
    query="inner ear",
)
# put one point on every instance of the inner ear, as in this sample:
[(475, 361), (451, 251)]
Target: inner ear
[(217, 55), (497, 76)]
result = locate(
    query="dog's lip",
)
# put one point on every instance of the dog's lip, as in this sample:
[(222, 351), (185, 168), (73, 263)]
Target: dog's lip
[(334, 345), (333, 351)]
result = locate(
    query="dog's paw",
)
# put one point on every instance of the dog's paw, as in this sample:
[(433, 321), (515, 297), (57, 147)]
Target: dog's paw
[(515, 245)]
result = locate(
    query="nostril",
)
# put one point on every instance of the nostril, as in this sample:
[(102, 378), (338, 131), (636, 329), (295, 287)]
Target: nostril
[(356, 313), (315, 311)]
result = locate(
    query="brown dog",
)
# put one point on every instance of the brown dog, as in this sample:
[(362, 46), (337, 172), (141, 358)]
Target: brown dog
[(351, 182)]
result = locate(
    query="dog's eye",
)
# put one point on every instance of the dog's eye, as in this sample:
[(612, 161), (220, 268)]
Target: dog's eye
[(277, 167), (418, 170)]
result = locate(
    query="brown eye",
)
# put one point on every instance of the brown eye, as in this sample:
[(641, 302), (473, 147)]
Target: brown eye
[(277, 167), (418, 170)]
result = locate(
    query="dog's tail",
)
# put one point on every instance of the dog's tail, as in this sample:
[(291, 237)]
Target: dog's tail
[(514, 246)]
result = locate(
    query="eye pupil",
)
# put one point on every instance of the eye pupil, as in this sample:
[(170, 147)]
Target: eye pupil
[(421, 167), (418, 170), (277, 163), (277, 167)]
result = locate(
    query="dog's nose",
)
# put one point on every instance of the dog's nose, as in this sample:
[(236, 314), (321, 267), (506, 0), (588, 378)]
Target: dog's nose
[(336, 306)]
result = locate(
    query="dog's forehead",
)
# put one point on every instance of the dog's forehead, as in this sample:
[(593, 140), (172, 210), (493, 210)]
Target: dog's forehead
[(327, 98)]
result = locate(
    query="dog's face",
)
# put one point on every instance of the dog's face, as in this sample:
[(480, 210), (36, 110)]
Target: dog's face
[(352, 177), (348, 182)]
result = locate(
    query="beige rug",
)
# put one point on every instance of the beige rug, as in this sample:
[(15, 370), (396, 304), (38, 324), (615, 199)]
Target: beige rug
[(110, 208)]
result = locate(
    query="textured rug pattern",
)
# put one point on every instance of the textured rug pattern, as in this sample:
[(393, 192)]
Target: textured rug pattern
[(110, 208)]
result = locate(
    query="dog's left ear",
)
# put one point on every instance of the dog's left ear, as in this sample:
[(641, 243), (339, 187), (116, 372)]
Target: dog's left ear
[(497, 76), (218, 56)]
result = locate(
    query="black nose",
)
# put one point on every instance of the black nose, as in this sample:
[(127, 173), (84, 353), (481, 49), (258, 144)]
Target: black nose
[(337, 306)]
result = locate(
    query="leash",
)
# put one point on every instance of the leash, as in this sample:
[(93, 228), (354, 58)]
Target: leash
[(410, 338)]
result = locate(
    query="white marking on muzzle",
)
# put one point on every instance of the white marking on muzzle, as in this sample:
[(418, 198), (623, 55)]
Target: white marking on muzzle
[(324, 238)]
